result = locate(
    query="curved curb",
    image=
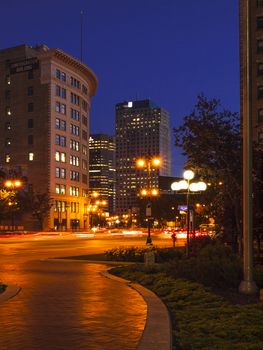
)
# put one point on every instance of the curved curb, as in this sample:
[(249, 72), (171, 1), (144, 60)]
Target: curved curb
[(10, 291), (157, 334)]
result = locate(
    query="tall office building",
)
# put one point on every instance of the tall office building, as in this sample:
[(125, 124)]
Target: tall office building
[(142, 130), (102, 170), (45, 102), (251, 61)]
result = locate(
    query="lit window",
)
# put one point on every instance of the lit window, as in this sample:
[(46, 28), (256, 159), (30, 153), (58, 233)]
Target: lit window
[(57, 123), (57, 188), (30, 156), (8, 79), (57, 156), (62, 189), (7, 142), (7, 158), (8, 111), (63, 157)]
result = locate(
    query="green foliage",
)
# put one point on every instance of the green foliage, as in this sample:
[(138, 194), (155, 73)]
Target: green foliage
[(201, 319), (210, 138), (136, 254), (198, 243), (215, 266)]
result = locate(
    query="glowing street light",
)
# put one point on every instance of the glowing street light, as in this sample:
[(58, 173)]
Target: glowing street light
[(190, 187), (149, 163)]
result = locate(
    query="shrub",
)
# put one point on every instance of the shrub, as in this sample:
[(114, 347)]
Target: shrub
[(215, 266), (135, 254)]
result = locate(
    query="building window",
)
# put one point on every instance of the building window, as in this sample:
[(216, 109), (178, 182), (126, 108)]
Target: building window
[(63, 93), (30, 91), (57, 172), (74, 114), (8, 80), (63, 125), (7, 126), (63, 108), (30, 107), (8, 142), (57, 106), (84, 164), (84, 105), (74, 191), (84, 89), (57, 139), (84, 150), (260, 45), (84, 120), (30, 75), (84, 178), (63, 157), (260, 68), (74, 160), (7, 158), (74, 175), (57, 123), (58, 90), (259, 22), (74, 99), (30, 123), (63, 76), (63, 173), (58, 73), (57, 189), (74, 129), (260, 138), (30, 139), (74, 207), (260, 115), (84, 135), (260, 91), (74, 145), (8, 111), (62, 189), (62, 141), (57, 156), (74, 82), (30, 156)]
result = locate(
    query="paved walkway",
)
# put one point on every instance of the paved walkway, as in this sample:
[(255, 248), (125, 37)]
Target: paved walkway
[(64, 306)]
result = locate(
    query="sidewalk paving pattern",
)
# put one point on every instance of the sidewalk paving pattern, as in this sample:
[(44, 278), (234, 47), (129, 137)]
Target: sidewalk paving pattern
[(64, 306)]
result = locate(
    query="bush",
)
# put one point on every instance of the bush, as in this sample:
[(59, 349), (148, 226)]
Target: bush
[(135, 254), (198, 243), (214, 266)]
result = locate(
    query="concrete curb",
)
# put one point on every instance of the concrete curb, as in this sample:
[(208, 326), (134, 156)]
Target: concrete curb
[(157, 334), (10, 291)]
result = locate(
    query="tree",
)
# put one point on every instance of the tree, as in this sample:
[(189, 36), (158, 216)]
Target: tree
[(210, 138), (38, 203)]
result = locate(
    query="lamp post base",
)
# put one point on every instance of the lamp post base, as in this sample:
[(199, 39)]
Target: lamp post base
[(149, 241), (248, 288)]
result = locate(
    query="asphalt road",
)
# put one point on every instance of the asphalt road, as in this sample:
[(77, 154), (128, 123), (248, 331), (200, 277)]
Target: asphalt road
[(65, 304)]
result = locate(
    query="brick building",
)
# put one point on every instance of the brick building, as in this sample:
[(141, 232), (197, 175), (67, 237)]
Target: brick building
[(45, 102)]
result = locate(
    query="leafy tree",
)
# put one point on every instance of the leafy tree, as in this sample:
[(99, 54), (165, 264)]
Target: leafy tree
[(210, 138)]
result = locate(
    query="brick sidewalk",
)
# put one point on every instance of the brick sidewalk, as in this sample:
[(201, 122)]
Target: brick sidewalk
[(69, 306)]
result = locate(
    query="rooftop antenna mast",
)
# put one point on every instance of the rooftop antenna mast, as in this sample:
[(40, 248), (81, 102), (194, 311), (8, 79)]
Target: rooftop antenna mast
[(81, 35)]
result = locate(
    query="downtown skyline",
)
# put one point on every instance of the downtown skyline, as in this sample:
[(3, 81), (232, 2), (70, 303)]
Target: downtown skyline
[(162, 50)]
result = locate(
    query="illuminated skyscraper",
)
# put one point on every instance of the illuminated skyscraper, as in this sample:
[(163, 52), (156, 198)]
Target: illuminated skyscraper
[(142, 130), (102, 169), (44, 104)]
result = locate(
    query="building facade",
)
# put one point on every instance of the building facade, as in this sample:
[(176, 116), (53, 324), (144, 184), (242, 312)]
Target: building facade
[(251, 64), (102, 170), (45, 102), (142, 130)]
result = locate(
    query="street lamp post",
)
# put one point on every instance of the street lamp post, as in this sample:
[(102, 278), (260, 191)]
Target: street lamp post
[(148, 164), (12, 185), (189, 187)]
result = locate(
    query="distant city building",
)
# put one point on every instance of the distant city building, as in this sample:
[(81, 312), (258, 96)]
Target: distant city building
[(44, 104), (102, 169), (142, 130), (253, 56)]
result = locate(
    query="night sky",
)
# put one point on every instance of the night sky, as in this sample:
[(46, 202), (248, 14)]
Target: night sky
[(165, 50)]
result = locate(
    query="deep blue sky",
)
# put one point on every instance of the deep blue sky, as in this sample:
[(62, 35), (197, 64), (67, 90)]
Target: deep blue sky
[(166, 50)]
